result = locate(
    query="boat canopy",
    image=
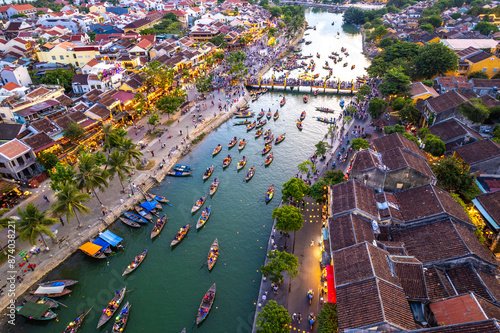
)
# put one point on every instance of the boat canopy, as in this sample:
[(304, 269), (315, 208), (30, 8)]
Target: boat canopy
[(149, 205), (102, 243), (34, 310), (49, 290), (90, 248), (58, 283), (110, 237)]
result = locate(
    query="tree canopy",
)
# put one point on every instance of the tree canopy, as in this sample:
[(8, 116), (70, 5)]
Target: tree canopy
[(354, 15), (376, 107), (409, 113), (59, 76), (486, 28), (288, 218), (327, 319), (395, 82), (475, 111), (47, 160), (294, 189), (278, 263), (455, 176), (321, 147), (434, 145), (73, 132), (434, 59), (358, 144), (273, 318)]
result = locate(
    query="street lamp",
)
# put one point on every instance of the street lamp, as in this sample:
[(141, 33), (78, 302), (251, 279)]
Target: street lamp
[(187, 131)]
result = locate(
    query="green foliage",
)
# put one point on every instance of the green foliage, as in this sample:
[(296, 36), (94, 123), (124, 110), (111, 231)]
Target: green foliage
[(275, 12), (478, 75), (157, 76), (117, 163), (409, 113), (363, 91), (34, 223), (496, 133), (486, 28), (273, 319), (435, 21), (219, 40), (199, 138), (354, 15), (73, 132), (288, 218), (367, 26), (294, 189), (395, 55), (434, 59), (60, 174), (278, 263), (395, 82), (91, 35), (394, 129), (59, 76), (358, 144), (455, 176), (333, 177), (434, 145), (427, 27), (475, 111), (384, 43), (412, 138), (319, 189), (204, 83), (455, 16), (170, 24), (428, 83), (70, 201), (423, 132), (378, 32), (399, 102), (327, 319), (170, 103), (376, 107), (306, 166), (90, 176), (154, 119), (47, 160), (321, 148), (271, 31)]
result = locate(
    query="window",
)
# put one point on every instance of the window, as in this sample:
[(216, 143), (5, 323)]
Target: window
[(92, 87), (495, 69), (61, 57), (13, 163), (80, 57), (3, 115), (74, 55), (53, 57), (99, 87), (484, 70), (2, 165), (27, 156)]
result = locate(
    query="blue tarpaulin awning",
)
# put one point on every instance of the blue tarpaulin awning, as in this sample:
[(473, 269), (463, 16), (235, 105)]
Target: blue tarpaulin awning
[(102, 243), (149, 205), (485, 214), (110, 238)]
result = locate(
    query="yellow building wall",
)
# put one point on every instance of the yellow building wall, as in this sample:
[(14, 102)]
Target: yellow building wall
[(62, 56), (97, 9), (488, 64), (422, 97)]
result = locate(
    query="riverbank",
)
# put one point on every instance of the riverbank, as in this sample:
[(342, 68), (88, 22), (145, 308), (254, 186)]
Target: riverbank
[(146, 180)]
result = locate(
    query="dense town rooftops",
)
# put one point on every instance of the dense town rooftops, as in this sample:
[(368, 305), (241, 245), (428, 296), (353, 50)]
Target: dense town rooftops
[(396, 140), (478, 151), (349, 229), (446, 101), (13, 149)]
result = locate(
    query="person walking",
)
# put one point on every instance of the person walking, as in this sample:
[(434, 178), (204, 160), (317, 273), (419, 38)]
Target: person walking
[(46, 199)]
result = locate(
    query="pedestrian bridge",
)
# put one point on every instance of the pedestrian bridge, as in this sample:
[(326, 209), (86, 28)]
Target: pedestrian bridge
[(325, 86)]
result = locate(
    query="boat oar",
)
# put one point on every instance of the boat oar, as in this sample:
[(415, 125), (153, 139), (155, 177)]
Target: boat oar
[(130, 290), (60, 303), (202, 265), (168, 203)]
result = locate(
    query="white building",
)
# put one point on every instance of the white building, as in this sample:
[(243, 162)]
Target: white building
[(18, 75)]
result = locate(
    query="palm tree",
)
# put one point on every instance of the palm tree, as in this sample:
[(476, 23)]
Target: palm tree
[(34, 223), (111, 137), (4, 223), (128, 149), (69, 202), (90, 175), (118, 166)]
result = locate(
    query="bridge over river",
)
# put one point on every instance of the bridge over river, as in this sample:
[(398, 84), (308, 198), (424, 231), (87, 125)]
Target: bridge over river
[(323, 85)]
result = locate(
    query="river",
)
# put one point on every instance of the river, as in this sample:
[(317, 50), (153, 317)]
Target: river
[(168, 287)]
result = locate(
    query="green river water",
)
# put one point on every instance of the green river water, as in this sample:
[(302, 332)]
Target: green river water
[(170, 283)]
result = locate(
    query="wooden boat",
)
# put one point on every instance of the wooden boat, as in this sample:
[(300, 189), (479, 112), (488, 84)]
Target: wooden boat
[(135, 218), (280, 138), (143, 213), (242, 144), (134, 264), (342, 103), (51, 291), (206, 304), (244, 107), (183, 331), (180, 235), (214, 186), (276, 115), (305, 98), (121, 320), (180, 167), (36, 311), (75, 325), (232, 143), (261, 123), (111, 308), (267, 133), (283, 101), (242, 122), (52, 304), (269, 159), (158, 226), (353, 66), (179, 173), (251, 126), (269, 139), (321, 109), (208, 172), (159, 198), (203, 217), (227, 161), (302, 116), (266, 149), (197, 205), (260, 114), (250, 173), (270, 193), (269, 114), (213, 254), (242, 163), (299, 125), (245, 114), (217, 149), (325, 120), (258, 133), (56, 283)]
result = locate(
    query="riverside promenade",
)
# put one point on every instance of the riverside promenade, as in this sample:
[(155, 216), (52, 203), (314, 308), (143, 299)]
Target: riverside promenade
[(69, 238)]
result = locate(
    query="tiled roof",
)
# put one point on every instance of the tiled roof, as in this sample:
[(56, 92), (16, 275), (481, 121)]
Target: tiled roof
[(64, 100), (9, 131), (485, 326), (77, 116), (448, 130), (479, 57), (447, 101), (418, 88), (37, 93), (44, 125), (438, 285), (396, 140), (347, 230), (366, 159), (39, 141), (410, 272), (490, 202), (466, 279), (428, 201), (444, 240), (13, 148), (99, 111), (478, 151), (485, 83), (352, 194)]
